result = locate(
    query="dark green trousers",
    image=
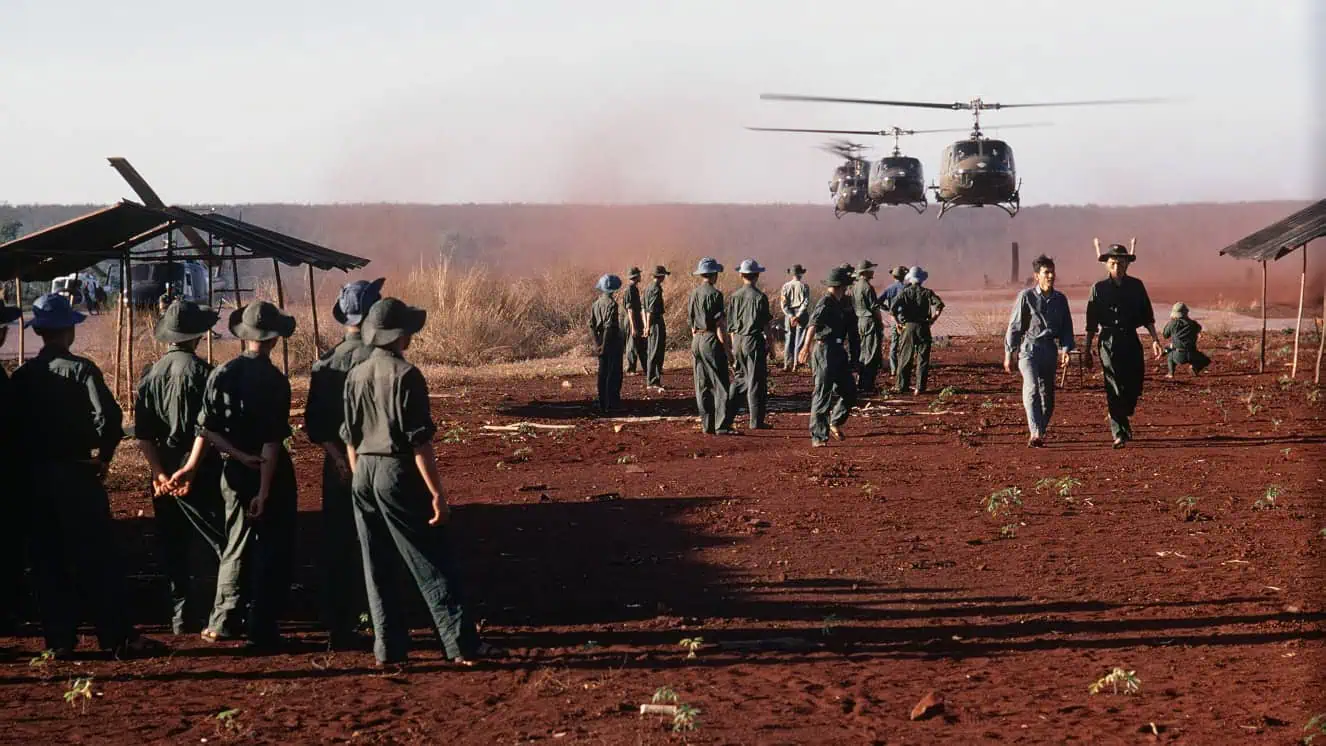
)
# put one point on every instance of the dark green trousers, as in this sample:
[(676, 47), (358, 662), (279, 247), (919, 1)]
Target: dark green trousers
[(343, 595), (658, 346), (13, 544), (711, 382), (854, 346), (750, 377), (1180, 355), (392, 509), (74, 559), (179, 522), (894, 343), (872, 353), (610, 379), (914, 358), (1122, 362), (831, 372), (636, 353)]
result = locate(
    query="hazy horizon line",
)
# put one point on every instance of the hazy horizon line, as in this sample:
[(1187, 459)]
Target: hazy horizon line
[(816, 205)]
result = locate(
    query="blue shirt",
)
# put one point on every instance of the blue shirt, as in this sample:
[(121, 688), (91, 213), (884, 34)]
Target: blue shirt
[(891, 292), (1039, 318)]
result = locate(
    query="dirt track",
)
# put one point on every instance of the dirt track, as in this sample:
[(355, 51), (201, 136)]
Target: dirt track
[(875, 556)]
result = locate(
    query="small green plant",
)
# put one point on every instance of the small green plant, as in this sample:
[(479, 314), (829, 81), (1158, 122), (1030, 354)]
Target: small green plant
[(664, 695), (944, 398), (42, 660), (1286, 451), (1003, 501), (1064, 486), (1187, 508), (692, 645), (521, 455), (1115, 679), (1268, 499), (1008, 531), (830, 621), (685, 719), (1315, 727), (227, 721), (1314, 396), (79, 691), (365, 622), (454, 435), (626, 458), (988, 404), (1250, 401)]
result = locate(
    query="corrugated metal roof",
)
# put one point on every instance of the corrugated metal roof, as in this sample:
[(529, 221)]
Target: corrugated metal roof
[(1280, 238)]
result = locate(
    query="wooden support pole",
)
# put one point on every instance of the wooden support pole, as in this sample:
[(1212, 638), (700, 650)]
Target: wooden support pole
[(280, 302), (313, 304), (119, 330), (234, 272), (1321, 340), (210, 297), (22, 332), (129, 346), (1298, 325), (1261, 366)]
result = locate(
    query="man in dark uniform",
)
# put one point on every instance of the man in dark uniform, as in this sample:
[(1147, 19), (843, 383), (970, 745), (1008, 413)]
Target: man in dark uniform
[(606, 328), (656, 329), (343, 594), (830, 368), (1182, 332), (748, 318), (12, 503), (170, 396), (709, 348), (246, 416), (869, 325), (1116, 306), (886, 299), (400, 511), (635, 324), (66, 411), (916, 308), (853, 332)]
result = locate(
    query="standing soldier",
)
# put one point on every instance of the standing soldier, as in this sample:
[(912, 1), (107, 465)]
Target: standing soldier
[(170, 396), (869, 325), (343, 579), (886, 299), (832, 372), (635, 324), (1116, 307), (61, 401), (400, 511), (794, 304), (656, 329), (11, 548), (246, 416), (916, 308), (709, 348), (1040, 333), (853, 333), (748, 317), (608, 341)]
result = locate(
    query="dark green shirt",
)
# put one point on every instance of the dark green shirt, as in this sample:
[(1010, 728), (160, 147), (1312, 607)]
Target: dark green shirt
[(386, 407), (1183, 333), (170, 396), (326, 388), (706, 308), (605, 325), (830, 319), (63, 409), (865, 302), (916, 304), (634, 308), (1124, 307), (248, 401), (654, 304), (748, 312)]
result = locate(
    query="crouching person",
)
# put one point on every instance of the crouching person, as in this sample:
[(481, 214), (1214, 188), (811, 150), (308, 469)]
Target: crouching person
[(400, 511), (1182, 333)]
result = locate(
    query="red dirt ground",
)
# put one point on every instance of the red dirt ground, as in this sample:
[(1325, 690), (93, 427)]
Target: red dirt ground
[(875, 554)]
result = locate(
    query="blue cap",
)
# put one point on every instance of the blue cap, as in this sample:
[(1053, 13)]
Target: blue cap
[(749, 267), (608, 284), (53, 311), (708, 266), (355, 300)]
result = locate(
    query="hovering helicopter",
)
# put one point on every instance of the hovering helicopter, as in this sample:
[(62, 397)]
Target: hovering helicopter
[(974, 172), (850, 183)]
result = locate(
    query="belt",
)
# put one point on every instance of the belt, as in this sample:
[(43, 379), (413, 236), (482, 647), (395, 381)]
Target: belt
[(701, 331)]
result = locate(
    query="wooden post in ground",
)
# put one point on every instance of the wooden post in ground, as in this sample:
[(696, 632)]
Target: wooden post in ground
[(280, 302), (18, 290), (1261, 366), (1321, 340), (119, 330), (1302, 288), (313, 304), (234, 273), (129, 345)]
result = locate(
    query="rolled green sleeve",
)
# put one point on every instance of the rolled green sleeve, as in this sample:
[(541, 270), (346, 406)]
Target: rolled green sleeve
[(107, 417), (416, 416)]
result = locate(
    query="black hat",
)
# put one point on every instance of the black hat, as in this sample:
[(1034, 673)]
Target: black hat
[(355, 300), (1116, 251), (661, 271), (866, 266), (9, 314), (838, 277), (797, 269), (632, 273), (390, 319), (260, 321), (185, 320)]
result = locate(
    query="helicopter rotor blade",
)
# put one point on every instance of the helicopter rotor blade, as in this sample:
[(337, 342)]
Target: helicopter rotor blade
[(825, 132), (1099, 102), (834, 100)]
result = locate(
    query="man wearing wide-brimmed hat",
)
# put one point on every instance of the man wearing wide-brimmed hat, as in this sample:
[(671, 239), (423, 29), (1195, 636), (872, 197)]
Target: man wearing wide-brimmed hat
[(748, 319), (853, 332), (400, 511), (170, 396), (246, 416), (794, 304), (825, 336), (886, 298), (634, 323), (656, 329), (609, 339), (61, 402), (1182, 333), (916, 308), (869, 325), (343, 573), (1116, 306), (710, 349), (14, 532)]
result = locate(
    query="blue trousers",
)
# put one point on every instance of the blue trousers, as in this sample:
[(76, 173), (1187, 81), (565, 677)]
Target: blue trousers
[(796, 336), (1038, 366)]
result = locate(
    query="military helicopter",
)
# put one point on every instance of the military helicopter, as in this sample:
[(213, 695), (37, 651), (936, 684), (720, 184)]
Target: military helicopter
[(849, 186), (974, 172)]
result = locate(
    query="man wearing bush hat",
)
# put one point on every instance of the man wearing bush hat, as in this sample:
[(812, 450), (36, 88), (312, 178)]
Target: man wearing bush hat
[(246, 416), (400, 511), (830, 366), (66, 412), (748, 317), (709, 348), (343, 572), (916, 308), (853, 331), (605, 326), (170, 396), (635, 324), (794, 303), (11, 544), (886, 298), (656, 329), (869, 325)]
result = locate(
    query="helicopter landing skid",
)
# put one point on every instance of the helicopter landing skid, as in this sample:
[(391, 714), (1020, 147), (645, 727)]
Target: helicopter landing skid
[(1011, 207)]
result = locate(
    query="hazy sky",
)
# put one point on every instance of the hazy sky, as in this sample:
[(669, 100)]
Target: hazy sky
[(621, 100)]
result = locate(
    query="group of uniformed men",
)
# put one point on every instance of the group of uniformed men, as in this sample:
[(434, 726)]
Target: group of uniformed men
[(216, 441)]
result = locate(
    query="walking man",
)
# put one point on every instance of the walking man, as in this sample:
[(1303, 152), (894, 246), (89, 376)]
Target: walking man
[(830, 366), (1040, 333), (656, 329), (400, 511), (170, 396), (343, 571), (886, 299), (635, 324), (709, 348), (869, 325), (608, 341), (748, 318), (916, 308), (1118, 305), (794, 304)]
